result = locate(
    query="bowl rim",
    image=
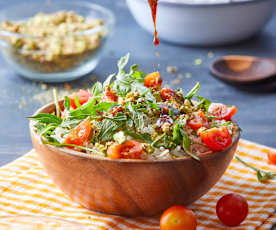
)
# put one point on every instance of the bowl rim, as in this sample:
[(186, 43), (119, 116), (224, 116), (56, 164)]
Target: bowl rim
[(205, 155), (108, 22), (178, 3)]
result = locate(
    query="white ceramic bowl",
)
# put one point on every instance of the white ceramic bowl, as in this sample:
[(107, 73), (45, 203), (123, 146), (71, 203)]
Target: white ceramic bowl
[(204, 24)]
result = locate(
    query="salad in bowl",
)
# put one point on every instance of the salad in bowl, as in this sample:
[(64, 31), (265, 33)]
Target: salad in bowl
[(131, 116)]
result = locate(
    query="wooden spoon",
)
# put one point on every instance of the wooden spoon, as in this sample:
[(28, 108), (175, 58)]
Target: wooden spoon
[(243, 69)]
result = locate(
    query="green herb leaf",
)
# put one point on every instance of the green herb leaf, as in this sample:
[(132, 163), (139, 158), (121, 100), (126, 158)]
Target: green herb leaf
[(262, 176), (186, 146), (193, 91), (97, 89), (143, 137), (157, 140), (67, 103), (176, 134), (108, 129), (55, 94), (47, 118), (203, 101)]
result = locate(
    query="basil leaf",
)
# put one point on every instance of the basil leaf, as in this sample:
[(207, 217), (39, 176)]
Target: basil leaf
[(123, 62), (108, 129), (47, 118)]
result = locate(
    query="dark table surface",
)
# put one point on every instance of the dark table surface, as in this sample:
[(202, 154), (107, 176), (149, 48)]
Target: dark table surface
[(257, 110)]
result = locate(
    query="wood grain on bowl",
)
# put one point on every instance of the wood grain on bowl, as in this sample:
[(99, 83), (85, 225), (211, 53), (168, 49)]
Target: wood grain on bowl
[(130, 187)]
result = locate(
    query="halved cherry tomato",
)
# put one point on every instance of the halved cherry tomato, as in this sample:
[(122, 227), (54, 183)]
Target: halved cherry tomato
[(216, 139), (130, 149), (222, 112), (232, 209), (169, 95), (109, 96), (178, 218), (83, 96), (271, 157), (153, 80), (197, 121), (80, 134)]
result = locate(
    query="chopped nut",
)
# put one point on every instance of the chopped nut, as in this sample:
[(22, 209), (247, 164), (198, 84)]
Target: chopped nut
[(43, 86), (166, 127)]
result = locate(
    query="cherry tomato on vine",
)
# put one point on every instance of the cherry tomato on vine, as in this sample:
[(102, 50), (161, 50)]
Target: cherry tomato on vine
[(232, 209), (178, 218)]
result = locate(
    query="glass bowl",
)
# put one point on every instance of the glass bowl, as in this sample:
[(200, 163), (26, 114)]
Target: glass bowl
[(35, 64), (37, 223)]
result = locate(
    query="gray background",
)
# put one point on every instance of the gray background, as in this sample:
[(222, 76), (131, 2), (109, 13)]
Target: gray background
[(257, 110)]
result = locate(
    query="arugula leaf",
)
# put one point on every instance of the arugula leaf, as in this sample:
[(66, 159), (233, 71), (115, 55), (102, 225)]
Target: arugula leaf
[(77, 102), (137, 117), (91, 109), (123, 62), (47, 118), (119, 117), (108, 129), (67, 103), (97, 89), (143, 137), (71, 145), (176, 133), (109, 79), (193, 91), (158, 139), (203, 101), (186, 146), (261, 175)]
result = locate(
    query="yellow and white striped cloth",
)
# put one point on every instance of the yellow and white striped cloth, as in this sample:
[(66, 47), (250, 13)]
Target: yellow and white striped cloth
[(25, 189)]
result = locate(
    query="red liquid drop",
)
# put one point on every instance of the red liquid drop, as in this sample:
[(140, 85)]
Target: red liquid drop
[(153, 6)]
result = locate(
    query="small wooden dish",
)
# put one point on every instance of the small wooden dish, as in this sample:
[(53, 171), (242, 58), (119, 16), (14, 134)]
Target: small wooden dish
[(130, 187)]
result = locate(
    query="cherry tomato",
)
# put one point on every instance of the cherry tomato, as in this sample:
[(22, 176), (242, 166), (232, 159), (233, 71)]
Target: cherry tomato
[(232, 209), (216, 139), (222, 112), (178, 218), (169, 95), (80, 134), (197, 121), (130, 149), (83, 96), (271, 157), (109, 96), (153, 80)]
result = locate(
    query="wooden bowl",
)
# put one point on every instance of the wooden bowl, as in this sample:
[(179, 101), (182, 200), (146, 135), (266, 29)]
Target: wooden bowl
[(130, 187)]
